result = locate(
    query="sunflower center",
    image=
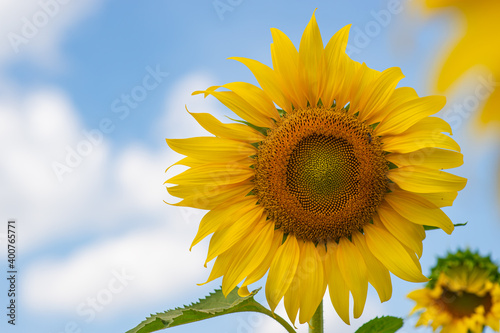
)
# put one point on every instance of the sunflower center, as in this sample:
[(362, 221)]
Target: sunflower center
[(464, 304), (320, 174)]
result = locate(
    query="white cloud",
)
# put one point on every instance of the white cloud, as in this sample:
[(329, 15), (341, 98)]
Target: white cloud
[(36, 27), (109, 192), (61, 180), (140, 176), (135, 269), (35, 133)]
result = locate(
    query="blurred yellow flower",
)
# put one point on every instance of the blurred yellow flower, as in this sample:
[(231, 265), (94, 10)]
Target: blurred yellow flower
[(462, 296), (478, 46), (330, 189)]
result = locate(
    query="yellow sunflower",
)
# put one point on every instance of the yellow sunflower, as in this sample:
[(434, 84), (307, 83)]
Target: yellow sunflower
[(462, 296), (478, 46), (327, 180)]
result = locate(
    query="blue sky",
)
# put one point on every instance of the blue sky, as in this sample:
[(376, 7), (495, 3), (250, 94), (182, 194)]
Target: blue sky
[(108, 80)]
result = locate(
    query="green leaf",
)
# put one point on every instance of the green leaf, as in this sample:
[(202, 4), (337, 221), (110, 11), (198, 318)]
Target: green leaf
[(212, 306), (428, 227), (385, 324)]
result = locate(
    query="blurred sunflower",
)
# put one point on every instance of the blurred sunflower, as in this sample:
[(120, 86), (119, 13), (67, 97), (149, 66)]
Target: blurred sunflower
[(330, 189), (478, 46), (462, 296)]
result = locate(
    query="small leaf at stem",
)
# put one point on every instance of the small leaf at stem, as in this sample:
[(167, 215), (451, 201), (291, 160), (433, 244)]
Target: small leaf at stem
[(212, 306), (428, 227), (385, 324)]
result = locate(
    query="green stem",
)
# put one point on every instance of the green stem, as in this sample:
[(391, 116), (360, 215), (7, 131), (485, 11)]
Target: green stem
[(316, 322), (280, 320)]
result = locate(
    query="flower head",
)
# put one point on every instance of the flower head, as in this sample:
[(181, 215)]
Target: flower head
[(327, 180), (462, 296)]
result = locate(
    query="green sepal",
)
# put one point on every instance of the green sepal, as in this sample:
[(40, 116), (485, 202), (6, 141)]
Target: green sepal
[(347, 107), (429, 227), (212, 306), (472, 261), (392, 165), (262, 130), (384, 324)]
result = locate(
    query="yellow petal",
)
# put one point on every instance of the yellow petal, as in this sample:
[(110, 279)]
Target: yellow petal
[(472, 49), (285, 63), (263, 267), (312, 281), (243, 291), (493, 321), (378, 274), (360, 84), (312, 62), (418, 210), (405, 143), (379, 93), (292, 299), (337, 287), (335, 59), (253, 250), (423, 180), (187, 161), (207, 196), (400, 97), (220, 268), (215, 174), (224, 238), (268, 80), (427, 133), (490, 110), (409, 114), (255, 97), (238, 132), (405, 231), (440, 199), (353, 270), (390, 252), (239, 106), (212, 149), (351, 72), (421, 297), (413, 256), (429, 158), (433, 124), (222, 215), (282, 271)]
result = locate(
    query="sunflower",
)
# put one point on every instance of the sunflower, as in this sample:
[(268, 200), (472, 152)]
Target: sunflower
[(477, 46), (462, 296), (327, 180)]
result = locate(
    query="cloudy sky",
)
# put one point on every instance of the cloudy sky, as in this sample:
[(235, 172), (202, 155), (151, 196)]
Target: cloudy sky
[(90, 89)]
